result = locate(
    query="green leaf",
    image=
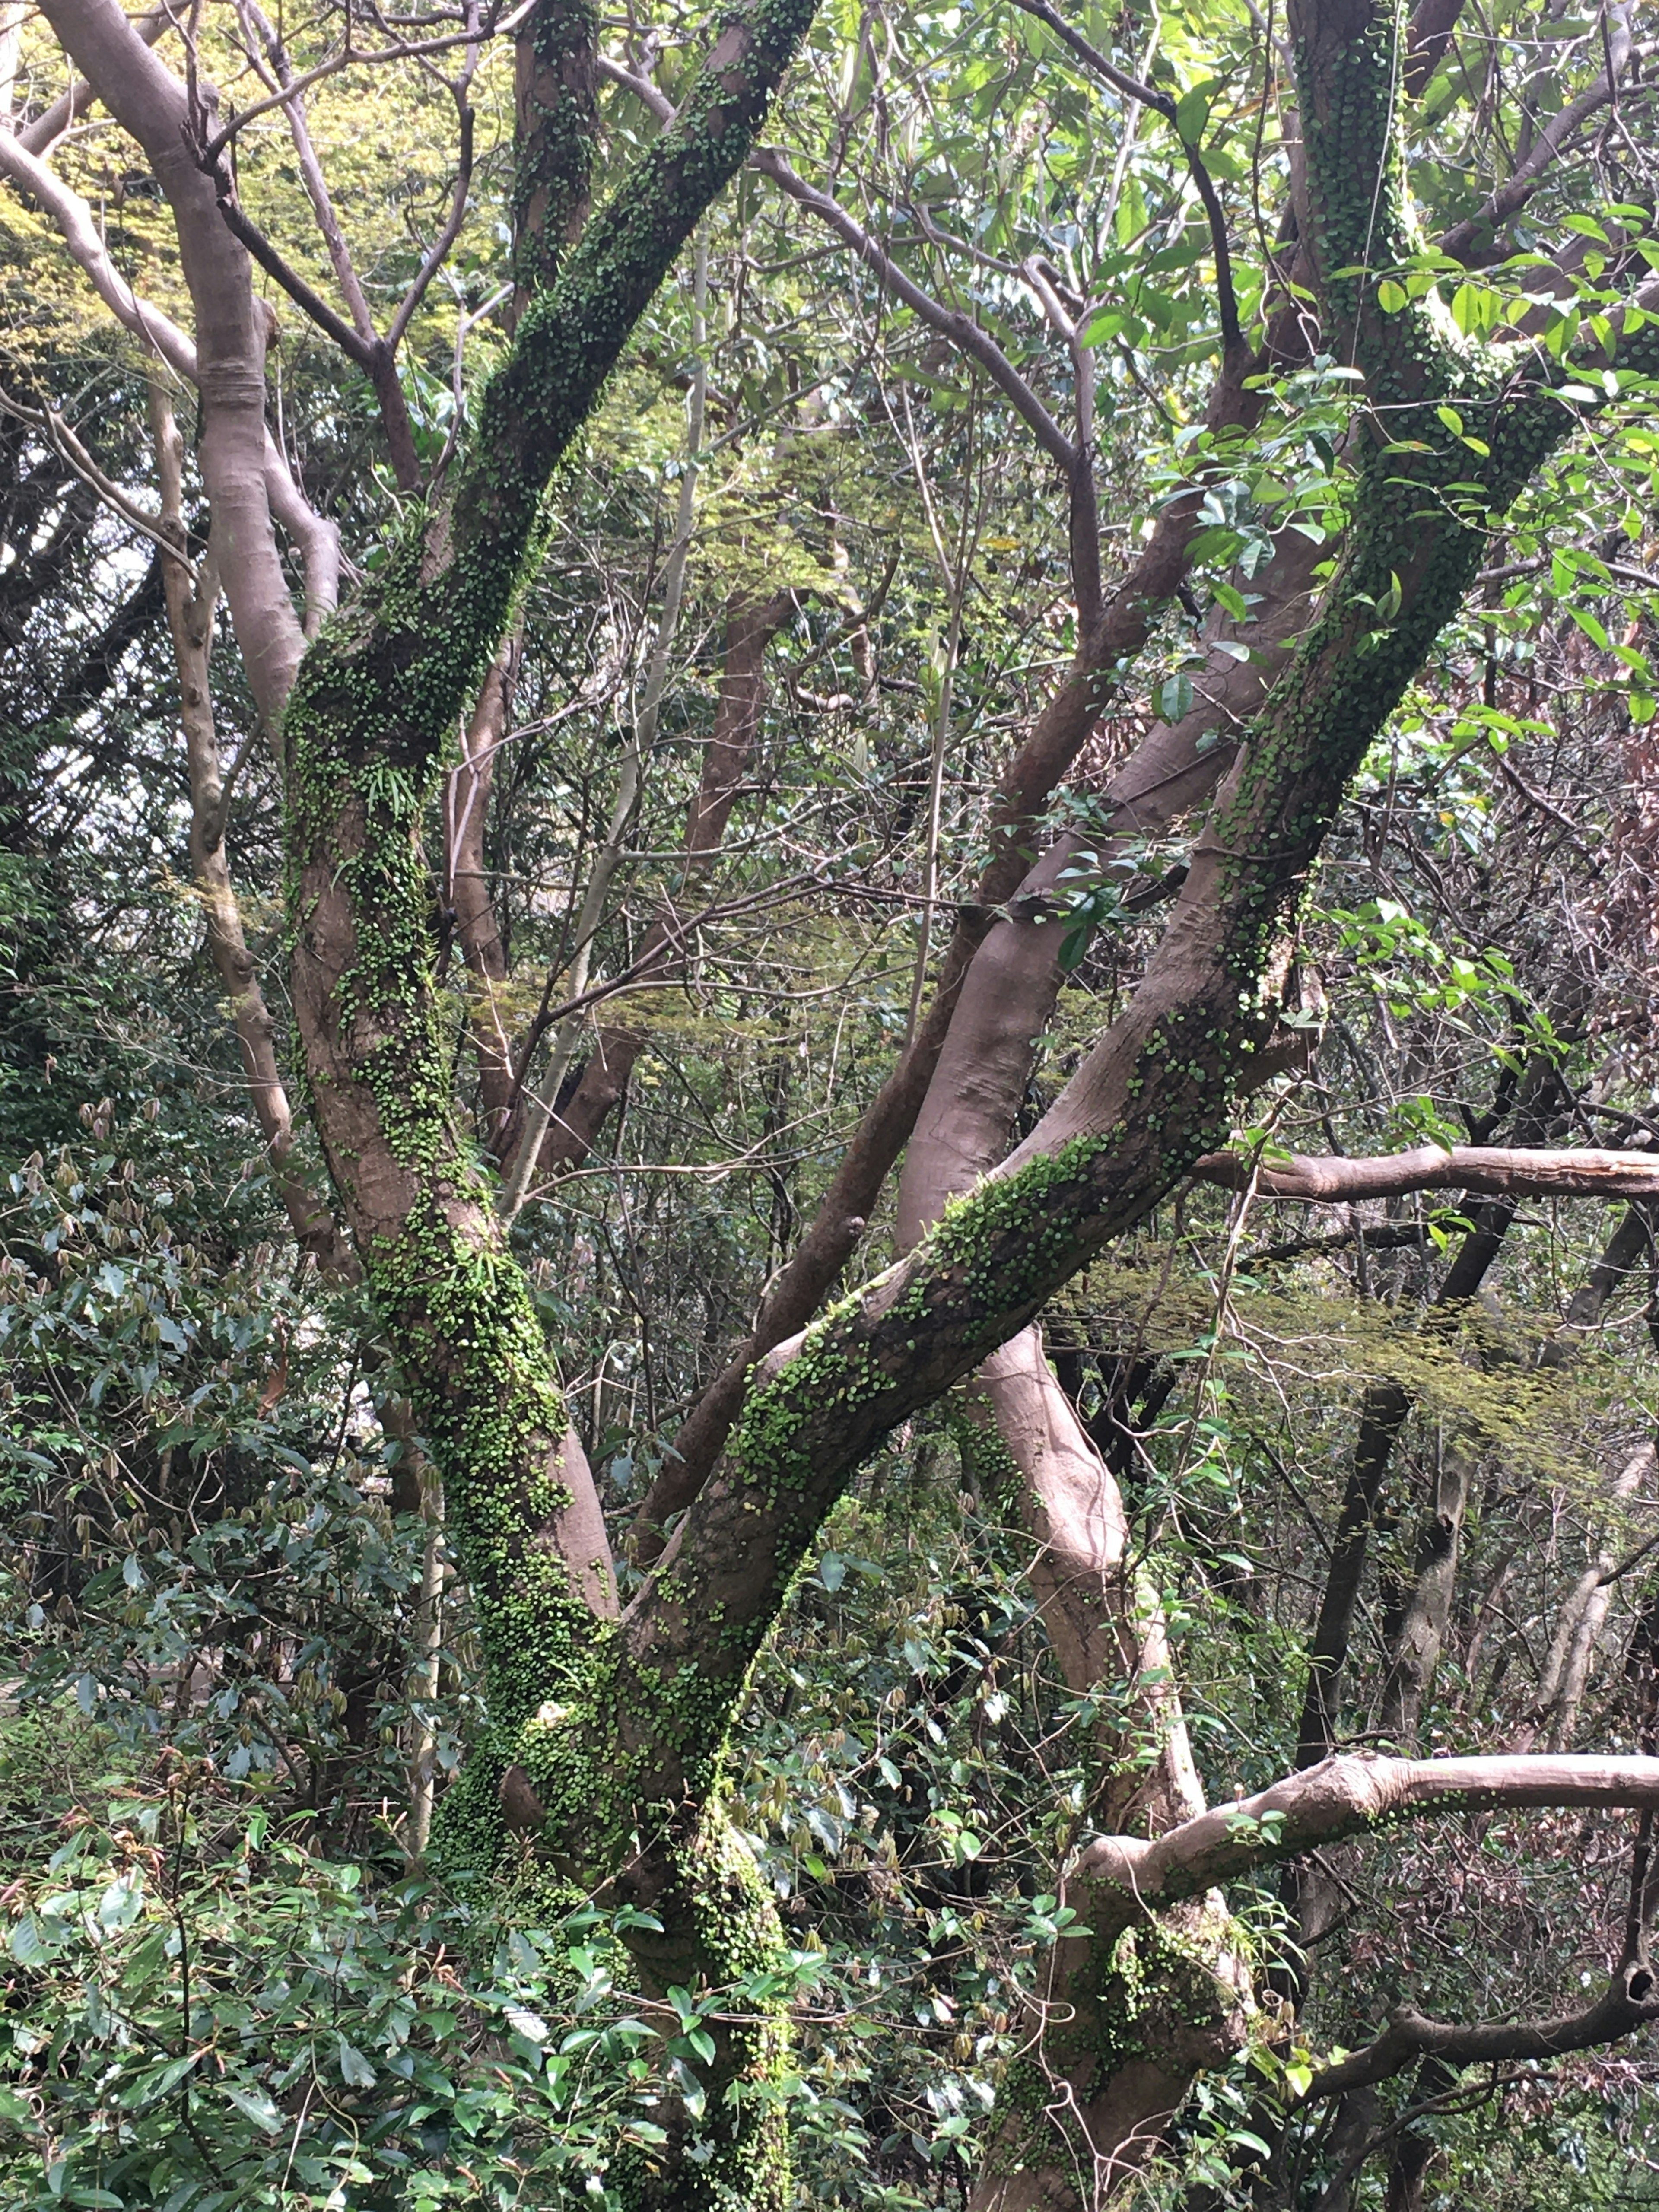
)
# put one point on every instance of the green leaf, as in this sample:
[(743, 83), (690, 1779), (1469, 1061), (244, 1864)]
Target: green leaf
[(355, 2069), (252, 2102), (1175, 697), (1392, 297), (1192, 113)]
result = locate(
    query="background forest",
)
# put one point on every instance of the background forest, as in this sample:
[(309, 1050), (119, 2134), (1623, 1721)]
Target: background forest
[(978, 333)]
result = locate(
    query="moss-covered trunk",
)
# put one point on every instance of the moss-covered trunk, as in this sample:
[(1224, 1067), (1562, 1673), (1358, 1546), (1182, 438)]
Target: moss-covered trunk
[(366, 731)]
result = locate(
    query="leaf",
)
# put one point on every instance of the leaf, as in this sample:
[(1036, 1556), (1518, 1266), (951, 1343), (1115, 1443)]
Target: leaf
[(1192, 113), (355, 2069), (1392, 297), (252, 2102), (1174, 698), (26, 1945)]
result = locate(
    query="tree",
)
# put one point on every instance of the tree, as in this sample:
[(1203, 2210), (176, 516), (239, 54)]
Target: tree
[(604, 1766)]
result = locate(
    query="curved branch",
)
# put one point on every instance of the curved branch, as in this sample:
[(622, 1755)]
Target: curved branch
[(1514, 193), (1340, 1797), (962, 330), (1630, 2000)]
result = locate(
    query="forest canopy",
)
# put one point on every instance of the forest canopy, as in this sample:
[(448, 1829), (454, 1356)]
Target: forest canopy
[(829, 1106)]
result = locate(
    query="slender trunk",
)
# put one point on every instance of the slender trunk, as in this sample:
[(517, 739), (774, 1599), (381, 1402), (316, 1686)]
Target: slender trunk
[(1174, 770), (424, 1676), (1114, 2042), (1554, 1710), (1008, 1000), (1424, 1616), (1119, 2026), (466, 820), (539, 1103), (190, 604)]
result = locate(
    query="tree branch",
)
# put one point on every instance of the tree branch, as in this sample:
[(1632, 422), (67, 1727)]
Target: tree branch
[(962, 330), (1557, 134), (1498, 1171), (1347, 1795)]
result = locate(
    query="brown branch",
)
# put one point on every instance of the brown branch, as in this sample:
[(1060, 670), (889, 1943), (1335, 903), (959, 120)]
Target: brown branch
[(1432, 24), (1160, 103), (438, 252), (216, 145), (1630, 2000), (1513, 194), (39, 137), (1347, 1795), (962, 330), (360, 351), (1498, 1170), (1163, 104)]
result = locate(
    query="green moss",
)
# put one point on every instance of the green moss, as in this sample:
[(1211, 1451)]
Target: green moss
[(1164, 1992)]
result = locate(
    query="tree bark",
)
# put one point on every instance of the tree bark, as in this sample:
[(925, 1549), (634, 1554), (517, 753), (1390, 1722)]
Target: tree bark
[(466, 819), (190, 607)]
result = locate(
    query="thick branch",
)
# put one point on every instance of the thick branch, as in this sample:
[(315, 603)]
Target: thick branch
[(1630, 2000), (1348, 1795), (1503, 1171), (151, 104)]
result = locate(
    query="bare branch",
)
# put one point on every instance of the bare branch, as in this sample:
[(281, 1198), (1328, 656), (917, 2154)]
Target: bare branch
[(64, 442), (216, 145), (1630, 2000), (1557, 134), (39, 137), (962, 330), (1432, 24), (1501, 1171), (1340, 1797), (74, 219)]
